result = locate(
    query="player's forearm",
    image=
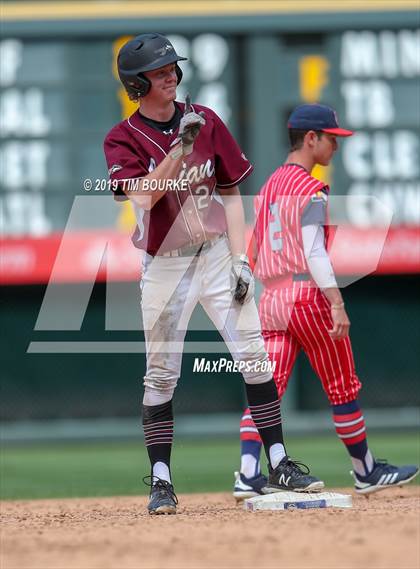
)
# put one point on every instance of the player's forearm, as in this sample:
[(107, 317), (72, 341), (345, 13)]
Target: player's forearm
[(235, 220), (323, 274), (146, 195), (317, 258), (319, 263), (333, 294), (321, 271)]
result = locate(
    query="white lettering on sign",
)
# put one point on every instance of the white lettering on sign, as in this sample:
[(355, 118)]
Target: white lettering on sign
[(10, 61), (368, 103), (382, 163), (409, 53), (208, 56), (382, 155), (24, 164), (359, 57), (24, 214), (22, 113), (402, 199), (384, 54)]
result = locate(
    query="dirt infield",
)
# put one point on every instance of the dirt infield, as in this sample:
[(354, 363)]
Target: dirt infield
[(210, 531)]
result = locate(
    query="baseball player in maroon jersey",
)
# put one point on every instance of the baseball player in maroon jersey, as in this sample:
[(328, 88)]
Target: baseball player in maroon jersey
[(301, 306), (180, 167)]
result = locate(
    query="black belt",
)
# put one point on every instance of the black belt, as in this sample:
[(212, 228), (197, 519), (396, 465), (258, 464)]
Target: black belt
[(301, 277)]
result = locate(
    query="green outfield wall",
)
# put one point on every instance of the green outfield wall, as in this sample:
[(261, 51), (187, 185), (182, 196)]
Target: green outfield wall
[(385, 332)]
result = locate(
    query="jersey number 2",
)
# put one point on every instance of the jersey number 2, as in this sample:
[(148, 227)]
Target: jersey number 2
[(275, 227)]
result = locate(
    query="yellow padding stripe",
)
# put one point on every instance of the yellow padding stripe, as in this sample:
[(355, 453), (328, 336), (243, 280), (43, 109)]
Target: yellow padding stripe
[(171, 8)]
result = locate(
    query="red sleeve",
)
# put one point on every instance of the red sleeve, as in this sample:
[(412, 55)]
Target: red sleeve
[(123, 159), (232, 166)]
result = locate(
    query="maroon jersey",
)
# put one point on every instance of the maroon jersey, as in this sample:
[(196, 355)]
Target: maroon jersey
[(182, 216), (279, 208)]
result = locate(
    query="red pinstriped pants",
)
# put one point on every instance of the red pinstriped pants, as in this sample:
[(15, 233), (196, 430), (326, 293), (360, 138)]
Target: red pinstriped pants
[(299, 317)]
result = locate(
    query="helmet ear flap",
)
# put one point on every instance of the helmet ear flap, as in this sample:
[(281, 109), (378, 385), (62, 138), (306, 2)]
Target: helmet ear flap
[(143, 85), (138, 88)]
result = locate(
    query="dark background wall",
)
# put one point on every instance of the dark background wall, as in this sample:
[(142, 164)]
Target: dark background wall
[(385, 319)]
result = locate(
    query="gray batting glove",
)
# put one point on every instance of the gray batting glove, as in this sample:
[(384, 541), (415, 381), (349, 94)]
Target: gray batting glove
[(189, 127), (242, 279)]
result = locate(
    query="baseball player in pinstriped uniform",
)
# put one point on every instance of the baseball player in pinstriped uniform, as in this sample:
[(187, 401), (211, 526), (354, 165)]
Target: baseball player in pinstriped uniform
[(193, 238), (301, 306)]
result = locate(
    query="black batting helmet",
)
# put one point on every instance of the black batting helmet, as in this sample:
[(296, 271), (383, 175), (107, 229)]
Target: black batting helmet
[(145, 52)]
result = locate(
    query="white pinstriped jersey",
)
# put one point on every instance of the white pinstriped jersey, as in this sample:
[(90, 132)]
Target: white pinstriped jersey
[(279, 208), (295, 315)]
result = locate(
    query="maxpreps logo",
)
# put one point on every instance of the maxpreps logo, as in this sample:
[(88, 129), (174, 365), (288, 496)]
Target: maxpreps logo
[(223, 365)]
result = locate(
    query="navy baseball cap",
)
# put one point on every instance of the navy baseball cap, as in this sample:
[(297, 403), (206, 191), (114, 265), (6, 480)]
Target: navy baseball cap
[(316, 117)]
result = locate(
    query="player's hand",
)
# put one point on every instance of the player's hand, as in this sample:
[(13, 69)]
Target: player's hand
[(242, 280), (189, 127), (341, 323)]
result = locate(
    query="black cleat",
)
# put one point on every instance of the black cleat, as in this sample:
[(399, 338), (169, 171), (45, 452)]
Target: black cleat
[(293, 477), (163, 499)]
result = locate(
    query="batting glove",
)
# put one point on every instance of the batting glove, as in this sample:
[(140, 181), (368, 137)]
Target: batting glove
[(189, 127), (242, 279)]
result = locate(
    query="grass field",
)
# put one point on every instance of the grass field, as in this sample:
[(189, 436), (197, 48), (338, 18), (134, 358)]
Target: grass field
[(101, 469)]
